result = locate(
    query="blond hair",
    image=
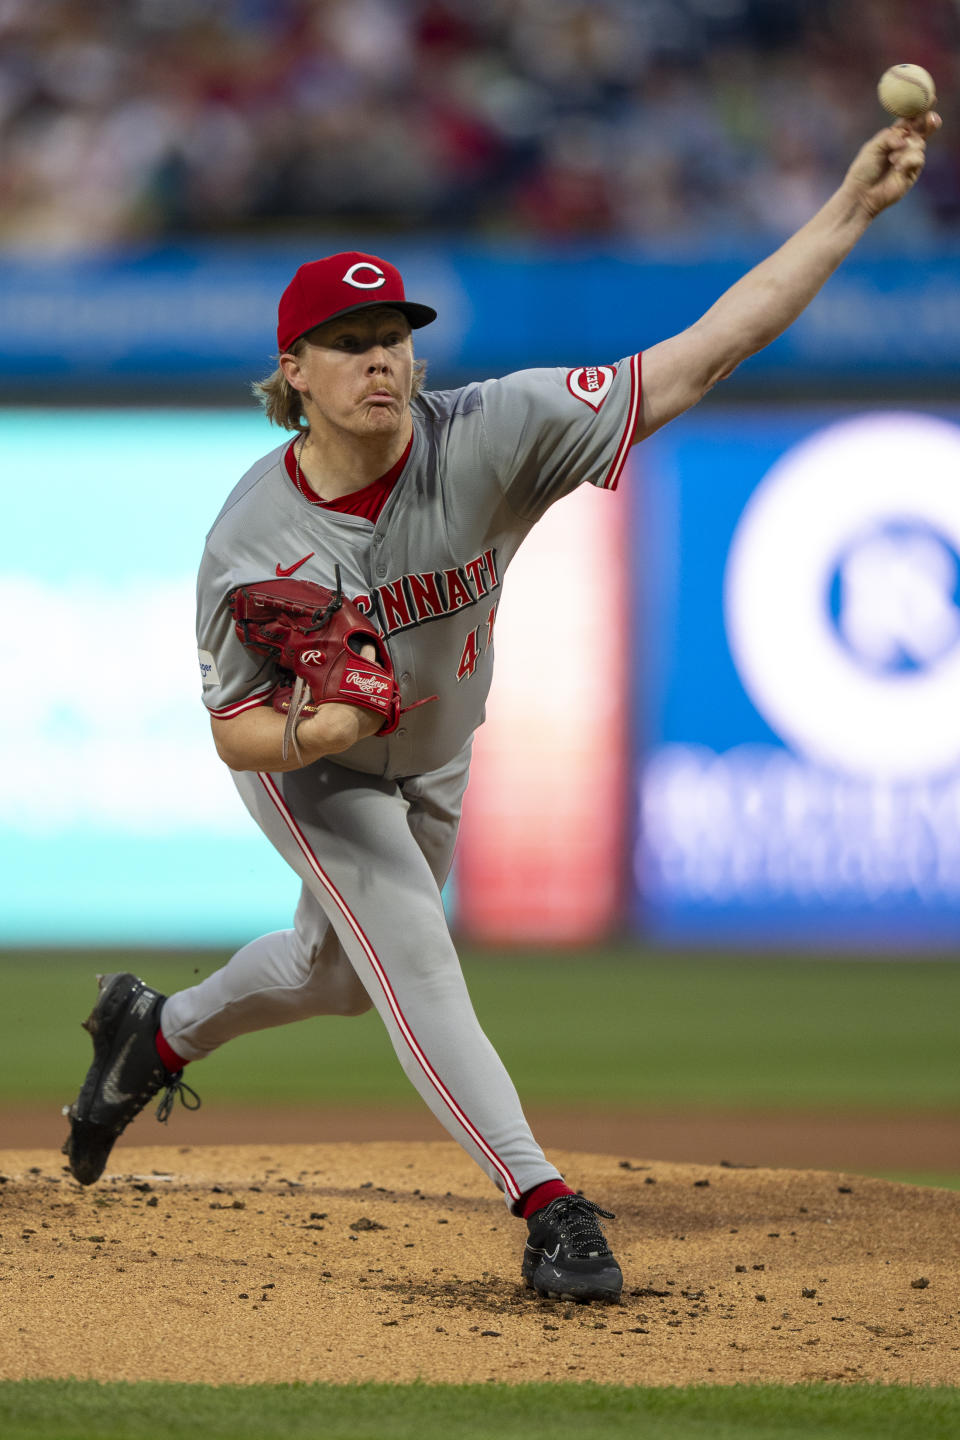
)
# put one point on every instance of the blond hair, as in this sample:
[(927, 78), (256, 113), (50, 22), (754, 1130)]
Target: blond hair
[(283, 404)]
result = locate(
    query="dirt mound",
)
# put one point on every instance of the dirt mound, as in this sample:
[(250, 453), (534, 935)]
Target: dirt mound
[(392, 1261)]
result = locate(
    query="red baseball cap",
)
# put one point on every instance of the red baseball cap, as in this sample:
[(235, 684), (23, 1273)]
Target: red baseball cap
[(324, 289)]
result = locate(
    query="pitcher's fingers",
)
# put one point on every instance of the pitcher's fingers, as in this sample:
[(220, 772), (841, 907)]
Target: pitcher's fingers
[(923, 125)]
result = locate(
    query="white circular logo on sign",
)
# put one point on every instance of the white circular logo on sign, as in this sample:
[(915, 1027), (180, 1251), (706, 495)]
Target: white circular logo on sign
[(351, 276), (842, 601)]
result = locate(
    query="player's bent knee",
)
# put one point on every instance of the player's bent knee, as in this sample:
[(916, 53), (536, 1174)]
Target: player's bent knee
[(346, 998), (334, 986), (356, 1005)]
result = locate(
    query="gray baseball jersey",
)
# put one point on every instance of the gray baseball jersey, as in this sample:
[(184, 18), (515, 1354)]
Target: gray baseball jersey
[(371, 832), (485, 464)]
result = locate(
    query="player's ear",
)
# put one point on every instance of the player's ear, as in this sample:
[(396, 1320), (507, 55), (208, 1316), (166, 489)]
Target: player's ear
[(290, 365)]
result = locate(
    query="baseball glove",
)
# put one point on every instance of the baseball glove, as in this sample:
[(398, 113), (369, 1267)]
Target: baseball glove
[(316, 635)]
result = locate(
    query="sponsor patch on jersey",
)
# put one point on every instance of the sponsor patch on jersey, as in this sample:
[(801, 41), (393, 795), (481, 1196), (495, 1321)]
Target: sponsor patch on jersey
[(591, 383), (209, 673)]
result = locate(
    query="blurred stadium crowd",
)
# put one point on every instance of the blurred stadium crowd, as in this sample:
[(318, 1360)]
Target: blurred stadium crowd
[(638, 120)]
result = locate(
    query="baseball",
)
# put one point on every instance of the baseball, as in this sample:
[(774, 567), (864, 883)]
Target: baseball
[(907, 90)]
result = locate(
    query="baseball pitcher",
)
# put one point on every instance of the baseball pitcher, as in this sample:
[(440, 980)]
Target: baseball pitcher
[(346, 609)]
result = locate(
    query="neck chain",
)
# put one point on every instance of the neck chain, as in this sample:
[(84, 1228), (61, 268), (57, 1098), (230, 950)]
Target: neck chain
[(298, 450)]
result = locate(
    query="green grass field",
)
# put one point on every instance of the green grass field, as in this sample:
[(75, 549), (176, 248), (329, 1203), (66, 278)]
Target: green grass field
[(66, 1410), (620, 1028)]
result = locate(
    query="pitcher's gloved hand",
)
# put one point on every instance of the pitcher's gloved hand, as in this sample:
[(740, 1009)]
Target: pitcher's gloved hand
[(332, 652)]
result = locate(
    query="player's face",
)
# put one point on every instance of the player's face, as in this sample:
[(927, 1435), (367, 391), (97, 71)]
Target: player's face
[(357, 372)]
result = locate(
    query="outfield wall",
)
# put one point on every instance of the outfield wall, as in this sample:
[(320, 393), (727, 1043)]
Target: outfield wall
[(173, 321), (724, 709)]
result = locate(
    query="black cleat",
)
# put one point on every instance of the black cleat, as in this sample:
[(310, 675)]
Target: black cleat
[(125, 1074), (567, 1256)]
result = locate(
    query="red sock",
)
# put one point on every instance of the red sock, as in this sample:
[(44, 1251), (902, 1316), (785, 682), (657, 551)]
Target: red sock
[(541, 1195), (169, 1056)]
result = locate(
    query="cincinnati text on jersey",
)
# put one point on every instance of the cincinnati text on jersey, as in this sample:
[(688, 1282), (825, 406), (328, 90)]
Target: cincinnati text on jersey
[(416, 599)]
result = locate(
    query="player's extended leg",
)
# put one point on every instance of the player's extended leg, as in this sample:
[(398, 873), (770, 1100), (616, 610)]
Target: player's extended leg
[(278, 978), (284, 976), (294, 974), (347, 835)]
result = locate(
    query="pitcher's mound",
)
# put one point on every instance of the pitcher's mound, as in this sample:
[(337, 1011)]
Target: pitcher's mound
[(396, 1261)]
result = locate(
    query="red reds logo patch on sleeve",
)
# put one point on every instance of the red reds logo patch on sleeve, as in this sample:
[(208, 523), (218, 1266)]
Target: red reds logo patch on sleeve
[(591, 383)]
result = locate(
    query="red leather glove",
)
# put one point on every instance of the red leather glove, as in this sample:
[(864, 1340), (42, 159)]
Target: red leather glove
[(316, 635)]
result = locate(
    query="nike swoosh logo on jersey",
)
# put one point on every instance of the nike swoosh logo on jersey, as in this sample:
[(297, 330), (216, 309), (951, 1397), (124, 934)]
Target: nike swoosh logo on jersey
[(284, 570), (111, 1094)]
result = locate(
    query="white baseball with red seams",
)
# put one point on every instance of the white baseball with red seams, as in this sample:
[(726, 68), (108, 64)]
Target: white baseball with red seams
[(371, 834)]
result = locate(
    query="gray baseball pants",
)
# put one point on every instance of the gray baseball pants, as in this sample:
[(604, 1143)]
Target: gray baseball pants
[(370, 929)]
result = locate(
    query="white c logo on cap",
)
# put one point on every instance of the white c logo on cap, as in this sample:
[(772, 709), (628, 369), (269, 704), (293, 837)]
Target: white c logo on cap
[(351, 276)]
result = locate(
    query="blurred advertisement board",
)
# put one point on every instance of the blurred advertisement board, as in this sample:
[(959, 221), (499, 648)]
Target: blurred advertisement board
[(540, 853), (798, 743), (119, 824), (117, 821), (205, 314)]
